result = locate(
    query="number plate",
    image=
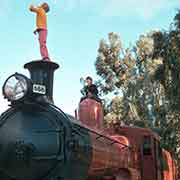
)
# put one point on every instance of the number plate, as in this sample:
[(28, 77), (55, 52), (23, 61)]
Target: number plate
[(40, 89)]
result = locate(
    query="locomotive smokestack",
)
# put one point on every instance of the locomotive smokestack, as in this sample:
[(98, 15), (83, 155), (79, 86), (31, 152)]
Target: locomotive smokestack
[(42, 75)]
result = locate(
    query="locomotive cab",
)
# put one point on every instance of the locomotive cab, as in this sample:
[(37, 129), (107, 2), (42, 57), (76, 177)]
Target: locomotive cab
[(153, 161)]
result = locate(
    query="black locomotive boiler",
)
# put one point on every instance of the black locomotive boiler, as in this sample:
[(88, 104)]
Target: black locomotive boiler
[(37, 140)]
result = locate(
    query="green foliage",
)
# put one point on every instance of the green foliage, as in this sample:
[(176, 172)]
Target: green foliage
[(143, 83)]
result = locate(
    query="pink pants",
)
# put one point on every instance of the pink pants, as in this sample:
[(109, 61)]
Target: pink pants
[(42, 43)]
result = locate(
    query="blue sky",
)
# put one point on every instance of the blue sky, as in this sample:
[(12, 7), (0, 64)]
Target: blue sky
[(75, 29)]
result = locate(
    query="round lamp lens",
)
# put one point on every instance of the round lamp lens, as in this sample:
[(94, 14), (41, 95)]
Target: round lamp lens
[(15, 87)]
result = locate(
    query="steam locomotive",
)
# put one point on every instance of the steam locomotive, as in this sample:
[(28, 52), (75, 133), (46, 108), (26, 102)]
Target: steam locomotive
[(38, 141)]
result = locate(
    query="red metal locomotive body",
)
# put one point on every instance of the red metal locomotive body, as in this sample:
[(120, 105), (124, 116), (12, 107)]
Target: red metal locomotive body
[(135, 153)]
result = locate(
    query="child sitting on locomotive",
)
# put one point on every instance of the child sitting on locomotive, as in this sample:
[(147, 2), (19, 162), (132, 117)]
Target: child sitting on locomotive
[(90, 90)]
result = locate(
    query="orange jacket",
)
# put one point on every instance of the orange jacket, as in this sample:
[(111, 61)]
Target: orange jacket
[(41, 18)]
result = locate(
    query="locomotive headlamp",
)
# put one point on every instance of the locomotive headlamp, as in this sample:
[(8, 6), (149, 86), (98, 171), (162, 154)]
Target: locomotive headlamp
[(16, 87)]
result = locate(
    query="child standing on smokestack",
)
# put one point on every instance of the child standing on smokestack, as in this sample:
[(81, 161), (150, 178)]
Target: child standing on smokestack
[(41, 23)]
